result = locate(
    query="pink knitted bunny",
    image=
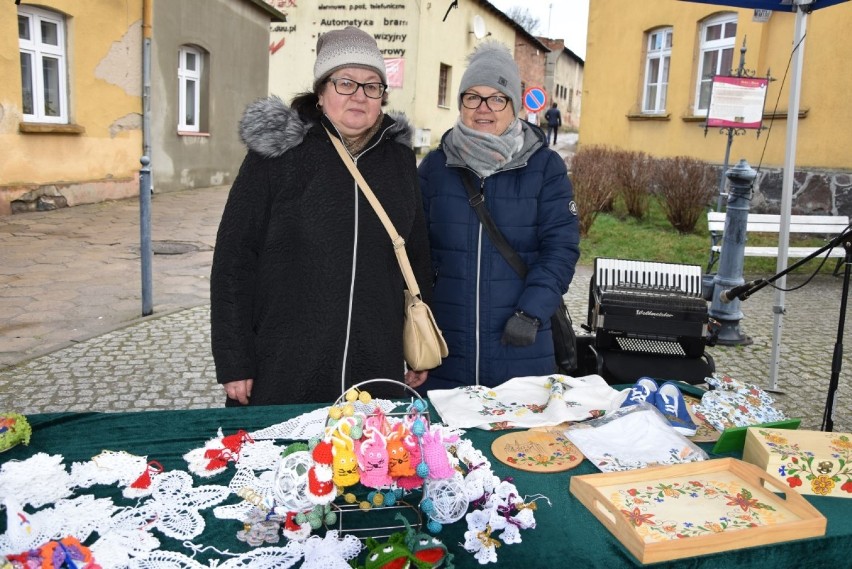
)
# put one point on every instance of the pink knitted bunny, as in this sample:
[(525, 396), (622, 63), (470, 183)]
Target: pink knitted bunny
[(411, 443), (436, 455), (372, 454)]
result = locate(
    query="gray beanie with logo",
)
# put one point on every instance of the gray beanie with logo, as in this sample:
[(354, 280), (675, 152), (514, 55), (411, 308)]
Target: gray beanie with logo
[(349, 47), (491, 64)]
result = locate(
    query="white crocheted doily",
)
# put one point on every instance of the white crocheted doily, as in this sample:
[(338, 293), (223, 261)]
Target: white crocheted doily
[(312, 424)]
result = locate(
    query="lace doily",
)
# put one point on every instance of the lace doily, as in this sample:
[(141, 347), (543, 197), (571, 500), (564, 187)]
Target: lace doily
[(174, 505), (38, 480), (80, 517), (330, 552), (312, 424), (134, 473), (128, 537), (260, 558)]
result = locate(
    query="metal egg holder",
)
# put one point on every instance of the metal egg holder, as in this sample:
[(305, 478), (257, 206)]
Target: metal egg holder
[(380, 521)]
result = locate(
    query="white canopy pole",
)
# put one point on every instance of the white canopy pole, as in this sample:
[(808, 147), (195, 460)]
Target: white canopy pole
[(778, 308)]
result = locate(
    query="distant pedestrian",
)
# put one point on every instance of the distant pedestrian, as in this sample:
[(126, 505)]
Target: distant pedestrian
[(554, 121)]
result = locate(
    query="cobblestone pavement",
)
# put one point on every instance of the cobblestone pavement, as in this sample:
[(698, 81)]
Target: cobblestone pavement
[(73, 338)]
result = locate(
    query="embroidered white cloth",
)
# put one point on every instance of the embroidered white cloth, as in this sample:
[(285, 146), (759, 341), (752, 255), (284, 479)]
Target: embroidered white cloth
[(522, 402), (633, 437)]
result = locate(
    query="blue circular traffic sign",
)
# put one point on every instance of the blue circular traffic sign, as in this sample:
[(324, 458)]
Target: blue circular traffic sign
[(534, 99)]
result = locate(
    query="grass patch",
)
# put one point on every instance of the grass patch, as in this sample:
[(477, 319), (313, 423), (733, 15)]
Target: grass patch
[(615, 235)]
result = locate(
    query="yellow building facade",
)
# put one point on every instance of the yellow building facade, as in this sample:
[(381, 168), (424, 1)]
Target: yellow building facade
[(646, 62), (79, 141)]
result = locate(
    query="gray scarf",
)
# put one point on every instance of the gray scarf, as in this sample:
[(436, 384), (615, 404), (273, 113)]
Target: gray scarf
[(483, 153)]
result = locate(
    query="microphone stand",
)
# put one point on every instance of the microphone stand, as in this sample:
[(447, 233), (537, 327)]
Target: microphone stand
[(844, 238)]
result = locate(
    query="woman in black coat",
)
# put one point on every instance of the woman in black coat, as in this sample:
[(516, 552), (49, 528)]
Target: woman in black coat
[(306, 292)]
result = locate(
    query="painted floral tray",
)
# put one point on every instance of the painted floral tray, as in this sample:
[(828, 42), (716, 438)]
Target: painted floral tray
[(671, 512)]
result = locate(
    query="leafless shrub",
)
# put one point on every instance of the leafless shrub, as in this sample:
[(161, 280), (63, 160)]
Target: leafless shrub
[(594, 183), (686, 186), (635, 174)]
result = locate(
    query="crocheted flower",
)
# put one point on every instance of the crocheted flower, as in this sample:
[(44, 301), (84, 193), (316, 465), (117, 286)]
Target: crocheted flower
[(478, 540)]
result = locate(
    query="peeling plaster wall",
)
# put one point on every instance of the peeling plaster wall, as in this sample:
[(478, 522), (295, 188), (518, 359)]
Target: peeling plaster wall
[(114, 68)]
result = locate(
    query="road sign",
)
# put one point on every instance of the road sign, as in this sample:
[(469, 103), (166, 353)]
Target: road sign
[(534, 99)]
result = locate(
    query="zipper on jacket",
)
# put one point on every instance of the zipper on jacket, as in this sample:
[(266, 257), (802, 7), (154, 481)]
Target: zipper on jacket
[(478, 287), (345, 363), (343, 387)]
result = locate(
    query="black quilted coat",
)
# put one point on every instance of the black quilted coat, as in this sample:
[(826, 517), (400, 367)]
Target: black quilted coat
[(306, 293)]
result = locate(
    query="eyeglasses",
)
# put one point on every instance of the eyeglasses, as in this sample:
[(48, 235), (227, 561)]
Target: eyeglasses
[(495, 102), (348, 87)]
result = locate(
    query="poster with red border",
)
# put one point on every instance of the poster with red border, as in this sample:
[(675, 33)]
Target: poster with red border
[(737, 102)]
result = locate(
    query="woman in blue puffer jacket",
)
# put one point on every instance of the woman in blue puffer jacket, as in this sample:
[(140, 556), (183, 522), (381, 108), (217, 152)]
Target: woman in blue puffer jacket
[(497, 325)]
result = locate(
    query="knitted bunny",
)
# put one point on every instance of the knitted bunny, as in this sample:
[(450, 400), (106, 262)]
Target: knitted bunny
[(398, 455), (345, 464), (372, 455), (436, 455)]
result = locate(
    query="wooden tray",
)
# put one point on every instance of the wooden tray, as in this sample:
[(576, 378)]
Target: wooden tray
[(671, 512), (537, 450)]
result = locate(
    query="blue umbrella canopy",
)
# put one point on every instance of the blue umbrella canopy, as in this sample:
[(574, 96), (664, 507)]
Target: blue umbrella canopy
[(777, 5)]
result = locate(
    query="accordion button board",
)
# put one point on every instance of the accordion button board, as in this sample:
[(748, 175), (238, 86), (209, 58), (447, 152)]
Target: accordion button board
[(646, 307)]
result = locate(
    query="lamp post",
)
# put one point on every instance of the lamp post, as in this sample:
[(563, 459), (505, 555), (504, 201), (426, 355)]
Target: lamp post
[(730, 274)]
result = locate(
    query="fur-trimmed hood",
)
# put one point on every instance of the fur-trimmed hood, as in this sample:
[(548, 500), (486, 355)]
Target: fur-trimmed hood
[(271, 128)]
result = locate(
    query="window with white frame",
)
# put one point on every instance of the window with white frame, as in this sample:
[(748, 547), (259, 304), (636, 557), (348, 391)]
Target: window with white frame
[(716, 55), (190, 65), (657, 61), (41, 41)]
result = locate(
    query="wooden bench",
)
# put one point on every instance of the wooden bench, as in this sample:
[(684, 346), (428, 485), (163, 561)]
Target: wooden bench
[(769, 223)]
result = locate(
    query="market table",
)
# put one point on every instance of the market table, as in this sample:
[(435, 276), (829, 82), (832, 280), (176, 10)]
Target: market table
[(567, 534)]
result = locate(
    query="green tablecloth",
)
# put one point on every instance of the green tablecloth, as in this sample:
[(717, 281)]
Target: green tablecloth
[(567, 534)]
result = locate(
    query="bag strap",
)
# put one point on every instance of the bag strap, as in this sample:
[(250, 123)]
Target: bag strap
[(398, 242), (476, 199)]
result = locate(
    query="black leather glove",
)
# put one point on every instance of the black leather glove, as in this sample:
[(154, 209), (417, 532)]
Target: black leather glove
[(520, 329)]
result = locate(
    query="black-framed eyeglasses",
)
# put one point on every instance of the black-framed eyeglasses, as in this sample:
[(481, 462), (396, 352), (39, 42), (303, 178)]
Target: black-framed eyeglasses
[(345, 86), (494, 102)]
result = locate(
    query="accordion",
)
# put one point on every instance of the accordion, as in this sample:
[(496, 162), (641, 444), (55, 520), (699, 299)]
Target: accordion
[(648, 307)]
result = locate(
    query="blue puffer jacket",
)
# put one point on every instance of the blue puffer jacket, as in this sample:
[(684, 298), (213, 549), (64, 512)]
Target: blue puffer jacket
[(475, 290)]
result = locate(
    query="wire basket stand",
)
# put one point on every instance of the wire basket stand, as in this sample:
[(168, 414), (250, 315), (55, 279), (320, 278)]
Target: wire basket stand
[(381, 522)]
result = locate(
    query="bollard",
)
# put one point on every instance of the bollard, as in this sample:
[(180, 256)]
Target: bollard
[(730, 274), (145, 248)]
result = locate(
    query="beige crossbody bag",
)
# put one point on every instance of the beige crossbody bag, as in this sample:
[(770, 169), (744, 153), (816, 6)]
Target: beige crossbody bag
[(422, 342)]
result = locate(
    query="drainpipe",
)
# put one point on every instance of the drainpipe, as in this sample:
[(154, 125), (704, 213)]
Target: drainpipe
[(146, 252), (147, 24)]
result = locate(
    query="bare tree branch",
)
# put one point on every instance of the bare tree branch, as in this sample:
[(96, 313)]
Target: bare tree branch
[(524, 18)]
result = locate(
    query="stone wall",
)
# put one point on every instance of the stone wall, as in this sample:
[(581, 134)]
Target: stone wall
[(815, 192)]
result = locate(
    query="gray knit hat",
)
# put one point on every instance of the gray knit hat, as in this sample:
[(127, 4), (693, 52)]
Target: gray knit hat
[(349, 47), (491, 64)]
